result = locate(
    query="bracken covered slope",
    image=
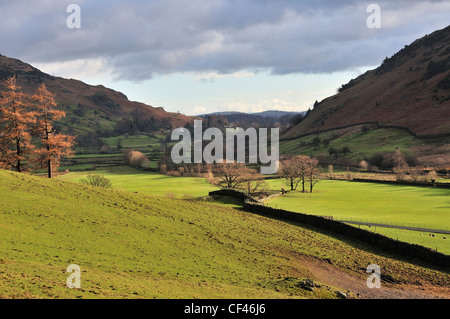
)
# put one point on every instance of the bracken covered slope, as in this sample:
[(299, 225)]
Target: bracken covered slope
[(71, 94), (409, 90)]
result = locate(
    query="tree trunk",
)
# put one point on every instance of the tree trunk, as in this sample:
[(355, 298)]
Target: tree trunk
[(19, 153), (50, 169), (49, 162)]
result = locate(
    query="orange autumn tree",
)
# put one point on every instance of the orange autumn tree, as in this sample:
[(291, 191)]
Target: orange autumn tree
[(54, 145), (16, 118)]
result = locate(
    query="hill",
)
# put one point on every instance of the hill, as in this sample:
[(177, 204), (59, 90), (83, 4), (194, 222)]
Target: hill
[(276, 114), (131, 245), (89, 108), (410, 90), (260, 119), (270, 113)]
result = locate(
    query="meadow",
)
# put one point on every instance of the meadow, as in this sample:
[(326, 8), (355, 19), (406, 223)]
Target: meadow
[(414, 206), (146, 182), (378, 203)]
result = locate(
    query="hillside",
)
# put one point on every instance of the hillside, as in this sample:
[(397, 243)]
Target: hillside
[(409, 90), (89, 108), (130, 245)]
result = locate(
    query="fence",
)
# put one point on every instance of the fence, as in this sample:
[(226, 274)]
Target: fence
[(403, 249), (407, 183), (389, 224)]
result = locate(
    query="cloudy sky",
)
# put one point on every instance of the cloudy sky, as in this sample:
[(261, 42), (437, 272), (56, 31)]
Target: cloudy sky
[(199, 56)]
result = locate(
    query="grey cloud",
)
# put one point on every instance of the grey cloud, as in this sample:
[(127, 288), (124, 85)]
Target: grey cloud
[(139, 39)]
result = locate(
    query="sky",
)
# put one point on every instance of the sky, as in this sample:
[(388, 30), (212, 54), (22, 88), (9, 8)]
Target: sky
[(202, 56)]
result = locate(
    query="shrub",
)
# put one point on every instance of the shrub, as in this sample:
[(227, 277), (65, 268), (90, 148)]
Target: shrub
[(363, 165), (136, 159), (173, 173), (171, 195), (97, 181)]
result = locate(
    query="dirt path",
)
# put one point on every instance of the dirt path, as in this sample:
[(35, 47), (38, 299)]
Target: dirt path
[(330, 275)]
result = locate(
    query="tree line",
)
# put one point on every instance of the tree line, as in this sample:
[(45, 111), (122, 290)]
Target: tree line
[(28, 139), (297, 170)]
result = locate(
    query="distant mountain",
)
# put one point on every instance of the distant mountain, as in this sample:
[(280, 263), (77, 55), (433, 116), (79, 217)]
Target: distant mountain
[(261, 119), (276, 114), (272, 113), (410, 90), (89, 108)]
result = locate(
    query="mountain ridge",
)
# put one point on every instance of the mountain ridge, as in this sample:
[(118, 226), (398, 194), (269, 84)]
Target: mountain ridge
[(72, 95)]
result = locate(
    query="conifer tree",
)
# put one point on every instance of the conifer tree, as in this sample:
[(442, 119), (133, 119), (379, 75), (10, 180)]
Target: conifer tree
[(54, 145), (16, 118)]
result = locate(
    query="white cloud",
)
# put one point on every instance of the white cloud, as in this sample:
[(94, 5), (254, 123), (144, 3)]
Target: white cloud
[(78, 69)]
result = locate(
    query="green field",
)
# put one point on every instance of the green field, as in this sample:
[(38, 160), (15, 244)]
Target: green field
[(151, 183), (134, 141), (378, 203), (413, 206), (137, 246)]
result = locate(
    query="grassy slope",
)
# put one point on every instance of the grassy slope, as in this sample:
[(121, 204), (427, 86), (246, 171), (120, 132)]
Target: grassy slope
[(132, 245), (362, 144)]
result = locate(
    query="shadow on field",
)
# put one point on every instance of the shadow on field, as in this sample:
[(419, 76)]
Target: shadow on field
[(354, 242)]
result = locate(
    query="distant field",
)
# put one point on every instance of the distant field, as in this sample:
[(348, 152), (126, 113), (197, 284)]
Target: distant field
[(381, 203), (134, 141), (420, 238), (391, 203), (134, 180)]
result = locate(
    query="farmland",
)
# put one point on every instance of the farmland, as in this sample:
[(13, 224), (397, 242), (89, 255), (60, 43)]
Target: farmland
[(150, 183), (138, 246), (378, 203), (388, 204)]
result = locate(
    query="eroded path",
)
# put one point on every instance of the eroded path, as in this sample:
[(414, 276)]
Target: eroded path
[(356, 283)]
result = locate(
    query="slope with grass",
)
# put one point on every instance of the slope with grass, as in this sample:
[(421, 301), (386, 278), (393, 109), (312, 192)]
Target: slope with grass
[(361, 142), (137, 246)]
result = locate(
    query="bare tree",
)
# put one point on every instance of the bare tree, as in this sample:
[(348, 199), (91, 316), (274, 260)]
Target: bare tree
[(236, 176), (229, 175), (294, 171), (312, 173)]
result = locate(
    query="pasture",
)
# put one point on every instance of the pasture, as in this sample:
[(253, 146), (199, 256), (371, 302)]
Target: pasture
[(378, 203), (150, 183), (413, 206), (138, 246)]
